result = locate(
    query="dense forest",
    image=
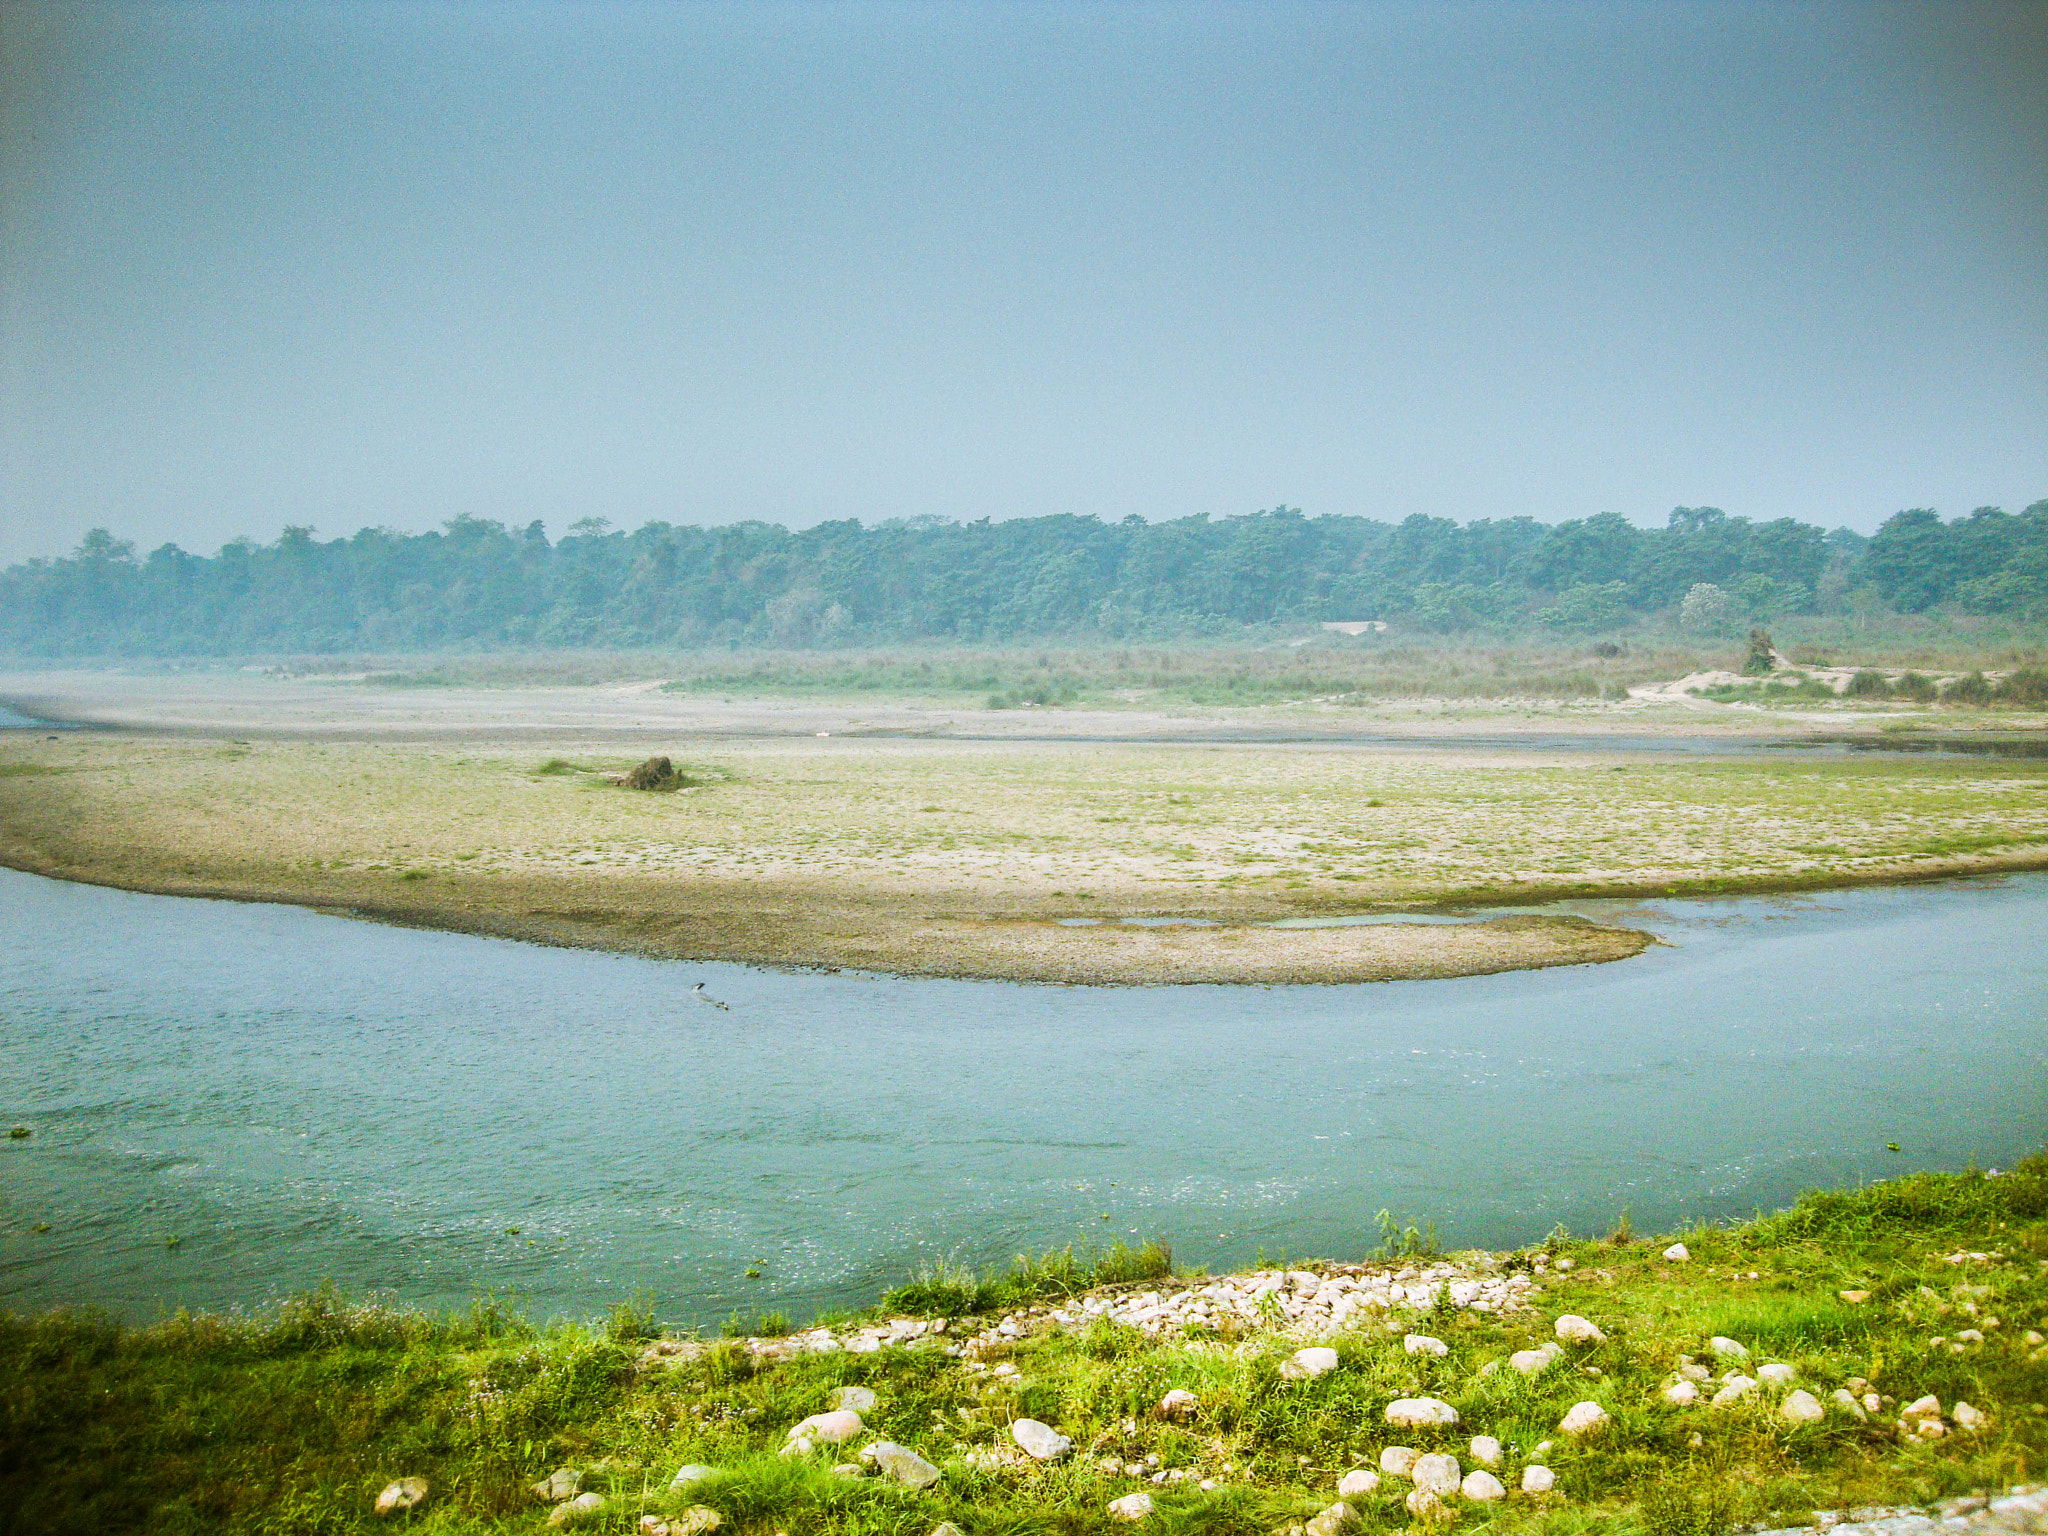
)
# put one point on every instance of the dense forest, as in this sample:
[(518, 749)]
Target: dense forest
[(477, 584)]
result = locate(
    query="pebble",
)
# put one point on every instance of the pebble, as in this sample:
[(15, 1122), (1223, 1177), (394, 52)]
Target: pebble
[(1179, 1404), (1486, 1450), (1854, 1298), (1538, 1479), (1436, 1473), (1727, 1348), (1573, 1329), (947, 1528), (1802, 1408), (1777, 1374), (1395, 1460), (697, 1520), (1132, 1506), (1423, 1344), (404, 1494), (1338, 1517), (1678, 1253), (1355, 1485), (1534, 1362), (854, 1399), (1967, 1417), (1482, 1487), (1733, 1390), (834, 1428), (1420, 1412), (1583, 1419), (1426, 1507), (687, 1475), (1305, 1364), (1849, 1405), (585, 1506), (562, 1483), (1681, 1394), (1040, 1441), (901, 1464)]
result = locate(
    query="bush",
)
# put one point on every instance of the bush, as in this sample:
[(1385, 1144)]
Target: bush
[(1868, 685), (2028, 686), (1974, 688), (1913, 686)]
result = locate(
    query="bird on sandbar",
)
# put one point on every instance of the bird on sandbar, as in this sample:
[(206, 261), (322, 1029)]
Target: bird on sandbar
[(702, 996)]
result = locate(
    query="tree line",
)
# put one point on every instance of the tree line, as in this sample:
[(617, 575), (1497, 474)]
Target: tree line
[(478, 584)]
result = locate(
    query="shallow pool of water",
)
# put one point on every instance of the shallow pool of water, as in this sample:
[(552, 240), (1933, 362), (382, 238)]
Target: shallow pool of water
[(232, 1102)]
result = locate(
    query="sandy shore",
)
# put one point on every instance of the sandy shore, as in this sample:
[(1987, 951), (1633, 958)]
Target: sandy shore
[(821, 834)]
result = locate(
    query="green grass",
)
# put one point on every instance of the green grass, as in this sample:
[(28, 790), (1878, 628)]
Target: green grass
[(290, 1421)]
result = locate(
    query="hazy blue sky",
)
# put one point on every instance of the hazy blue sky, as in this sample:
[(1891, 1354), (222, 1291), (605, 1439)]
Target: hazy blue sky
[(384, 263)]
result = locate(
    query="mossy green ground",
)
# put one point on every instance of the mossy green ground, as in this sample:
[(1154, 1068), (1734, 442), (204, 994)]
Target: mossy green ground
[(292, 1422)]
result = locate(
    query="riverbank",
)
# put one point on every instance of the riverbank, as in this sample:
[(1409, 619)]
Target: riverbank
[(1877, 1347)]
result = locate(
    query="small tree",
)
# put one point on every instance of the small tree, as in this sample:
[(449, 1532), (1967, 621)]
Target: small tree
[(1762, 654), (1706, 607)]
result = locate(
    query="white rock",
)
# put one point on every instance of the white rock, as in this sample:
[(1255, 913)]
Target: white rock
[(1922, 1408), (1538, 1479), (1132, 1506), (687, 1475), (1482, 1487), (1354, 1485), (1849, 1405), (1573, 1329), (1777, 1374), (1678, 1253), (1395, 1460), (562, 1483), (1436, 1473), (1303, 1280), (853, 1399), (402, 1495), (1420, 1412), (1306, 1363), (1967, 1417), (1698, 1373), (1486, 1450), (1681, 1394), (1802, 1408), (1423, 1344), (585, 1506), (1583, 1419), (1531, 1362), (1179, 1404), (1040, 1441), (1426, 1507), (1338, 1517), (1727, 1348), (902, 1464), (834, 1428), (697, 1520), (1734, 1389)]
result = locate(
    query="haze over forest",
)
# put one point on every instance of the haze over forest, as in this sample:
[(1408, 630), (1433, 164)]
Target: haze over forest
[(478, 584)]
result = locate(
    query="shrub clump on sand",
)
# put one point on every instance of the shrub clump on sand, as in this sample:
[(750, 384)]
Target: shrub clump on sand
[(659, 775)]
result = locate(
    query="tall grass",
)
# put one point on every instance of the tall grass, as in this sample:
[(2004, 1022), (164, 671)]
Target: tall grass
[(946, 1289)]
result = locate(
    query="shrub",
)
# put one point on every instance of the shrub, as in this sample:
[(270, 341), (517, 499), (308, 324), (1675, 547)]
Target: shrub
[(2028, 686), (1912, 685), (1868, 685), (1974, 688)]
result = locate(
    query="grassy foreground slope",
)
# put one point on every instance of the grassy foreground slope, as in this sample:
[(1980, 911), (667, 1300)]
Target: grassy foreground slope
[(294, 1421)]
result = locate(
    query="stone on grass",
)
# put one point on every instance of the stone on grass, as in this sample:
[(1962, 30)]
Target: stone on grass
[(849, 1469), (1854, 1298), (1482, 1487), (901, 1464), (1357, 1484), (1847, 1401), (562, 1483), (1486, 1450), (1967, 1417), (1681, 1394), (1538, 1479), (1678, 1253), (697, 1520), (1573, 1329), (1040, 1441), (1132, 1506), (1420, 1413), (1426, 1506), (685, 1476), (1318, 1360), (1583, 1419), (1423, 1344), (402, 1495), (1179, 1404), (585, 1506), (1727, 1348), (1338, 1517), (1396, 1460), (854, 1399), (1777, 1373), (1436, 1473), (1802, 1408), (1532, 1362), (834, 1428), (947, 1528), (1922, 1408), (1733, 1390)]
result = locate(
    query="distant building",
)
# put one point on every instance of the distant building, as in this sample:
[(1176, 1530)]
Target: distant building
[(1356, 626)]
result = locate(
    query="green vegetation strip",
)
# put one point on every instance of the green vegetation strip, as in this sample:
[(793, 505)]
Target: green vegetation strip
[(294, 1420)]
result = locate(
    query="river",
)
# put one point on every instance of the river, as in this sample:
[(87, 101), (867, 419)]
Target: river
[(231, 1102)]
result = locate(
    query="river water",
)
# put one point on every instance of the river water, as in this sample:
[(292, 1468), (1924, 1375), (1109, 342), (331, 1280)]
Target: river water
[(229, 1103)]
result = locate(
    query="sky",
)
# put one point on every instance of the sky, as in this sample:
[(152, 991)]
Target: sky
[(388, 263)]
